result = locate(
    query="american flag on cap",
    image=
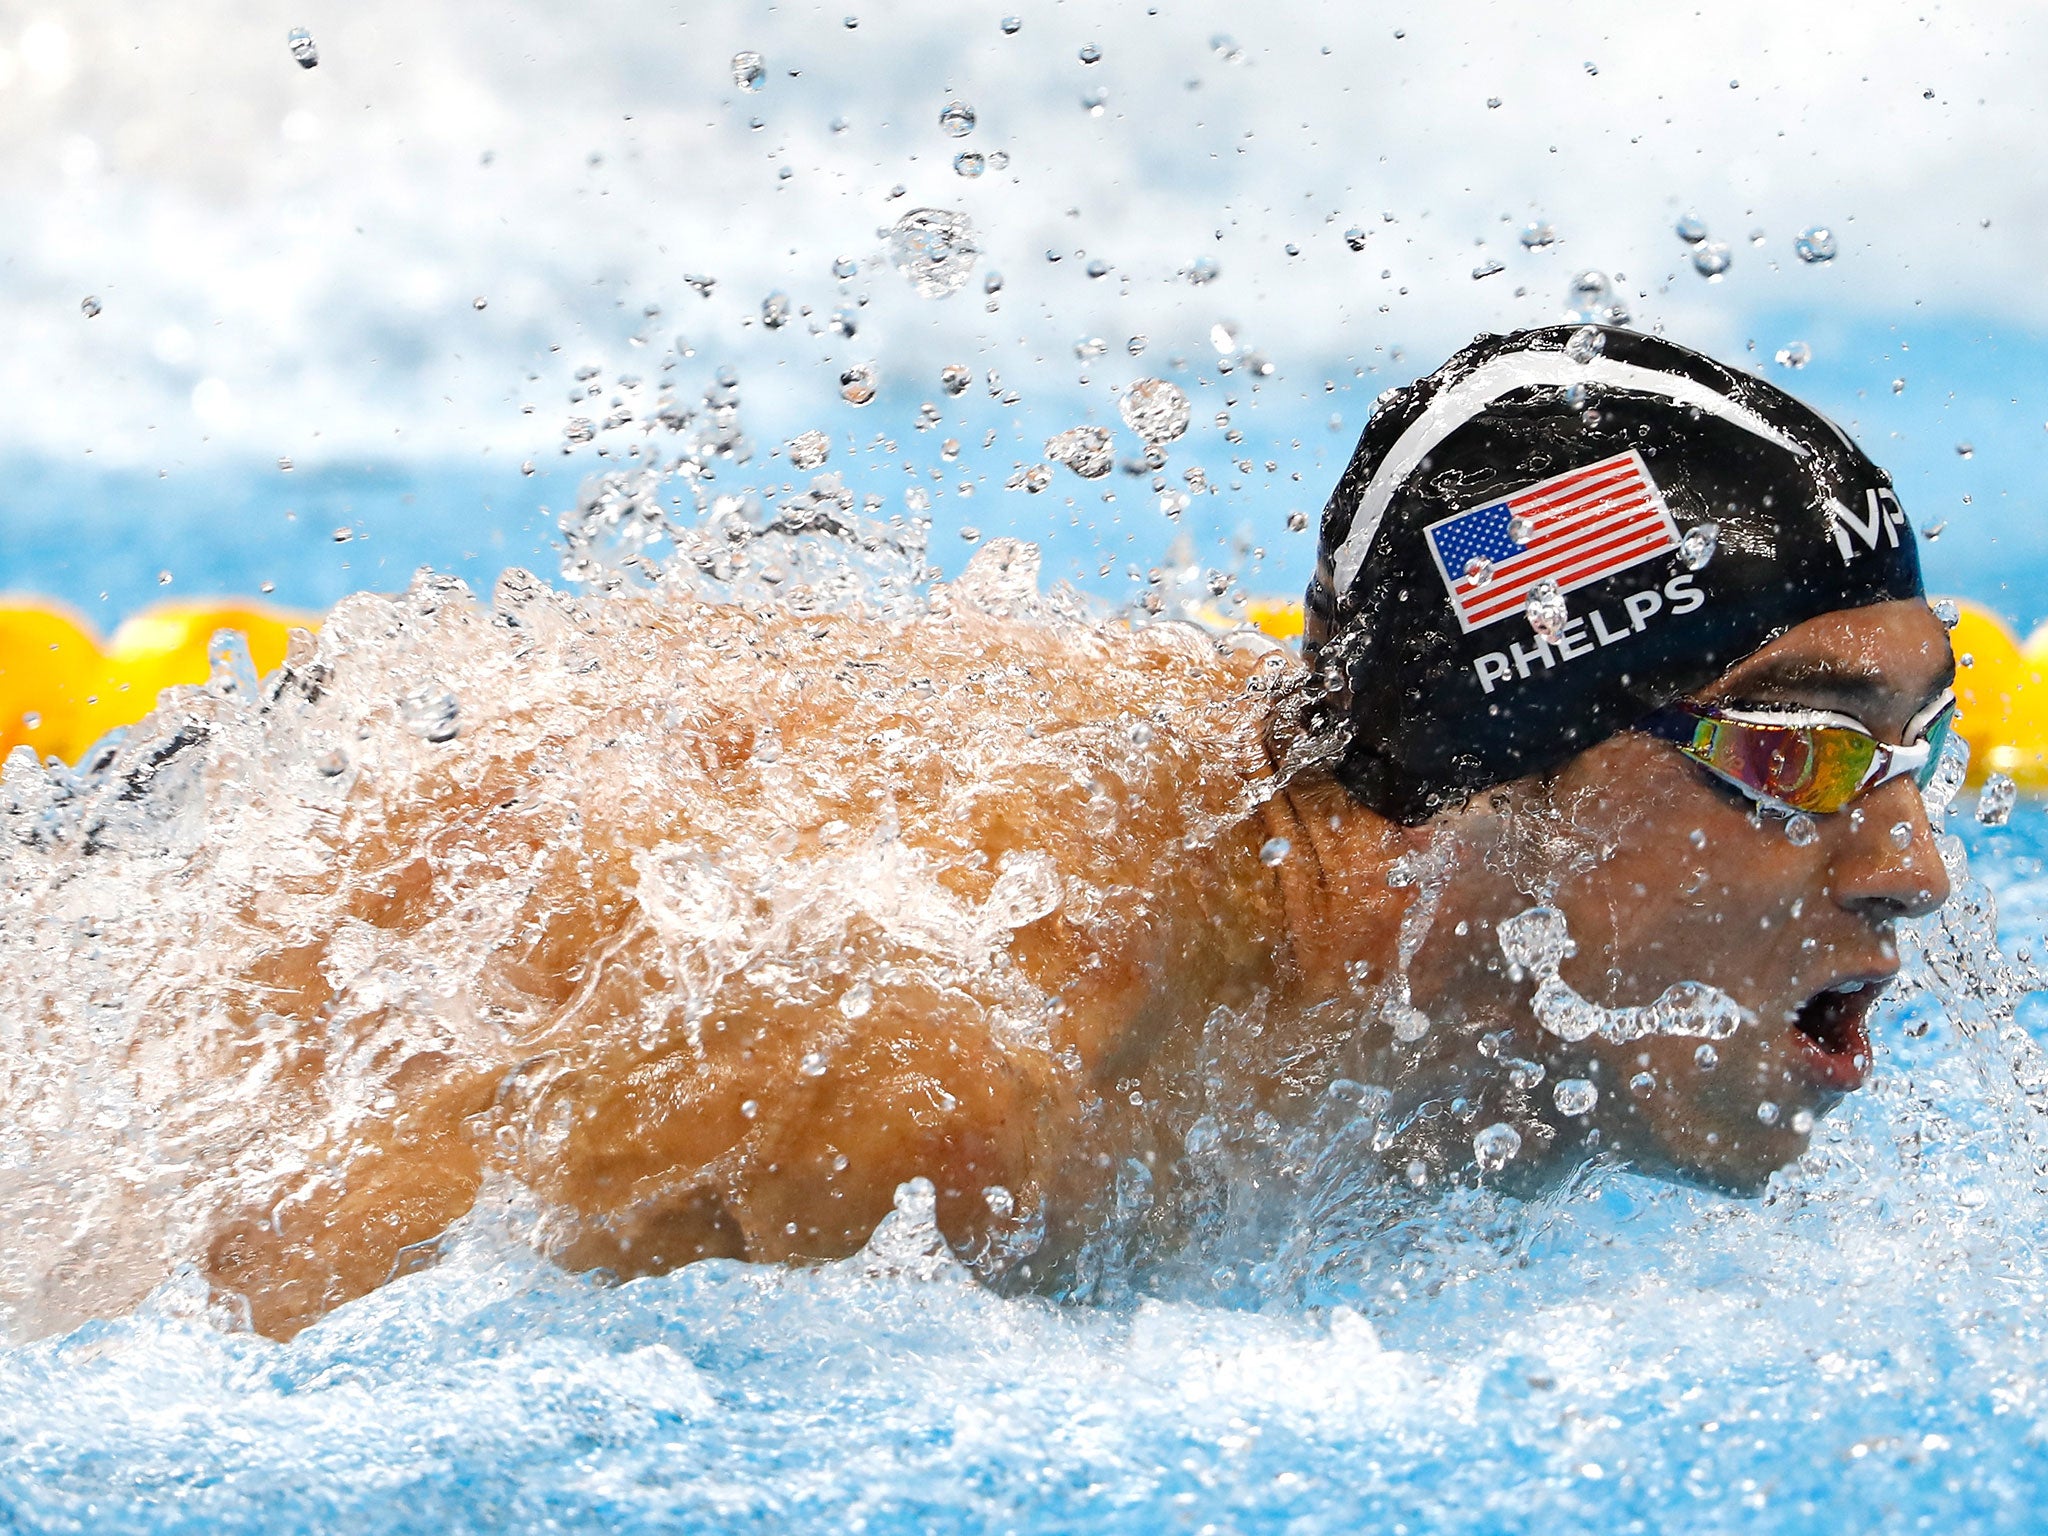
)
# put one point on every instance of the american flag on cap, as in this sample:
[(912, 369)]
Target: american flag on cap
[(1576, 528)]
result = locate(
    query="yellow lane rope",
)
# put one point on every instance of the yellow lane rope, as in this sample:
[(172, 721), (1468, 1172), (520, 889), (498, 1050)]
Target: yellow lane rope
[(61, 689)]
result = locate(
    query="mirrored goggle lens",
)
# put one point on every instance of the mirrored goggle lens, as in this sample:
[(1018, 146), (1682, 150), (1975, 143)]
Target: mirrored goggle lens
[(1936, 737), (1809, 768)]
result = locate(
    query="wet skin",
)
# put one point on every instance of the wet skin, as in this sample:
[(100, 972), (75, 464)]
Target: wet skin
[(726, 1145), (1666, 874)]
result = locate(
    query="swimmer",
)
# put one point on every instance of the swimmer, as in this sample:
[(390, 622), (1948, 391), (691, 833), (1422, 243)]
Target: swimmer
[(1586, 827)]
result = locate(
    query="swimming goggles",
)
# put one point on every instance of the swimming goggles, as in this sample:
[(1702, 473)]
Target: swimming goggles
[(1803, 759)]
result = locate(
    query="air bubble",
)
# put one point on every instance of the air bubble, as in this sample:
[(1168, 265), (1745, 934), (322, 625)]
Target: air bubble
[(956, 119), (1274, 851), (1794, 354), (1815, 244), (1947, 612), (1087, 451), (807, 450), (1705, 1057), (857, 384), (1996, 800), (1297, 522), (1901, 835), (1697, 548), (1801, 831), (1587, 342), (303, 48), (1642, 1084), (969, 163), (1574, 1095), (1766, 1113), (935, 249), (430, 713), (1156, 410), (813, 1064), (1546, 609), (1496, 1146)]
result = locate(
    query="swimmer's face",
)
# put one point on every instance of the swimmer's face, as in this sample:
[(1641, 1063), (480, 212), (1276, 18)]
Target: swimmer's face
[(1671, 876)]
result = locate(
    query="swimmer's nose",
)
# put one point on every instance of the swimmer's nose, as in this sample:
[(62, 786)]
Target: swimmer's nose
[(1882, 871)]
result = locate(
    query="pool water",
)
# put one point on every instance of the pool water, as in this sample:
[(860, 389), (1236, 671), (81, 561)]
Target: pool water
[(1864, 1346)]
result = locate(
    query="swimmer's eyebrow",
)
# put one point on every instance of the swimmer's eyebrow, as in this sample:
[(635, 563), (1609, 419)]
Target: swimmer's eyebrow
[(1852, 689)]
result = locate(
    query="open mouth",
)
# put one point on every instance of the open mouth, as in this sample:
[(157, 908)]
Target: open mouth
[(1831, 1024)]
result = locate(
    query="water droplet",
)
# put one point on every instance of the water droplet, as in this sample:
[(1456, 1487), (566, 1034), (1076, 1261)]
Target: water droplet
[(1087, 451), (813, 1064), (1478, 572), (807, 450), (1156, 410), (331, 764), (850, 23), (1521, 528), (1794, 354), (1297, 521), (1966, 450), (31, 720), (163, 578), (1029, 477), (1538, 235), (343, 534), (1140, 734), (1692, 229), (1488, 268), (1767, 1113), (1574, 1095), (1995, 802), (857, 384), (748, 70), (956, 119), (89, 306), (1815, 244), (1801, 830), (1274, 851), (1355, 238), (1012, 25), (1093, 102), (1226, 48), (1495, 1146), (969, 163), (1698, 546), (1546, 609), (430, 713), (1947, 612), (1902, 835), (935, 249), (1098, 268), (1090, 54), (955, 377), (1493, 103), (775, 310), (1204, 270), (1587, 342), (1710, 258), (303, 48)]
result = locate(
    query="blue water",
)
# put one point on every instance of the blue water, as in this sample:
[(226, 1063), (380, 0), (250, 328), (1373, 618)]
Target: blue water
[(102, 538), (1864, 1348)]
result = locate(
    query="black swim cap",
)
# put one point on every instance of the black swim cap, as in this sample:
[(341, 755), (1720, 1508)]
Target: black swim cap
[(1595, 460)]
